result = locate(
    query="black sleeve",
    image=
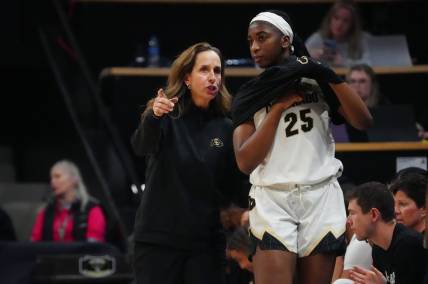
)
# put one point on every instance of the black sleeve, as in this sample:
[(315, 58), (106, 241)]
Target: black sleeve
[(146, 138), (333, 103), (426, 269), (7, 232), (324, 75), (411, 262)]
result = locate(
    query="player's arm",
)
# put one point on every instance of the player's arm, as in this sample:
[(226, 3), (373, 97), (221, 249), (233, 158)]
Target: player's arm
[(352, 107), (251, 145)]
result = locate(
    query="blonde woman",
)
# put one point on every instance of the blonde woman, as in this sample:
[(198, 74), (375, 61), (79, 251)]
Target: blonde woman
[(71, 214), (340, 40)]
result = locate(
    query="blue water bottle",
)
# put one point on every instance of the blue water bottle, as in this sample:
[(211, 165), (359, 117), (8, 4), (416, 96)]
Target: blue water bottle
[(153, 52)]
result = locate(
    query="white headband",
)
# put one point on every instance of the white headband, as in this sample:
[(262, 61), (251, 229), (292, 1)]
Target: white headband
[(277, 21)]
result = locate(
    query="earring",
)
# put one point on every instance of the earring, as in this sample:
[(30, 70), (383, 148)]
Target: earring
[(188, 86)]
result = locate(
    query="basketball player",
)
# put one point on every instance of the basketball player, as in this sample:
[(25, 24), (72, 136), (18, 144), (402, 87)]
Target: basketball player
[(282, 139)]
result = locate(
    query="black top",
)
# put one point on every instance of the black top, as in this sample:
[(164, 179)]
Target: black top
[(426, 269), (80, 219), (190, 173), (356, 135), (404, 261), (276, 80), (7, 232)]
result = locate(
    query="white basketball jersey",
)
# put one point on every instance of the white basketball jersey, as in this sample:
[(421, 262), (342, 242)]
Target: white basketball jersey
[(303, 148)]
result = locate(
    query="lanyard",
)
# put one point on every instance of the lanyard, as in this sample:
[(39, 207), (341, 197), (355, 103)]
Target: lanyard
[(62, 227)]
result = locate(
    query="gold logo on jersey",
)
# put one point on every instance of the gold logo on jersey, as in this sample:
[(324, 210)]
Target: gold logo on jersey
[(302, 59), (216, 142)]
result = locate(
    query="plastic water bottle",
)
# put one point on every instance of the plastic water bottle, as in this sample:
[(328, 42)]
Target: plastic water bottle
[(153, 52)]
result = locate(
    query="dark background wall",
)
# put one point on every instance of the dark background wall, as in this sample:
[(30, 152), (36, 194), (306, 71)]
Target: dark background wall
[(34, 120), (110, 33), (32, 116)]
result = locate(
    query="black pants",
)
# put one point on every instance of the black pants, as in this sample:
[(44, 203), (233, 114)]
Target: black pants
[(156, 264)]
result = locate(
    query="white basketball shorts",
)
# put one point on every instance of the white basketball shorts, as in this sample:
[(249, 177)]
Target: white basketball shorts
[(300, 217)]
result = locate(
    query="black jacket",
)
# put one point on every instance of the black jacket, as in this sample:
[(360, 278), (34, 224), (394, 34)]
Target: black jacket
[(190, 174), (80, 219), (7, 232)]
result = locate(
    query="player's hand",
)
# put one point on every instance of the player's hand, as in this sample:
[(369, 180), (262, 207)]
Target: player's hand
[(363, 276), (162, 105), (288, 100)]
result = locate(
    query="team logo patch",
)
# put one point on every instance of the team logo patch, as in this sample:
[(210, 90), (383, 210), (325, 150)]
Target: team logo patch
[(216, 142), (302, 59), (390, 278)]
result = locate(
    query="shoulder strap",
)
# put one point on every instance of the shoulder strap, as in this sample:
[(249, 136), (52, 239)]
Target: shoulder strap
[(80, 224), (47, 231)]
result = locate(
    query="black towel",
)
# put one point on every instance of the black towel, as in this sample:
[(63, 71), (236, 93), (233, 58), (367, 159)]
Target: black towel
[(275, 81)]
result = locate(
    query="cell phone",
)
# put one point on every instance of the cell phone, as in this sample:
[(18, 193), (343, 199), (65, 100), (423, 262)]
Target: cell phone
[(330, 43)]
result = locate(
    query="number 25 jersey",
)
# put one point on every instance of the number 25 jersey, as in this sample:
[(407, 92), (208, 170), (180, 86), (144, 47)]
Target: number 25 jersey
[(303, 148)]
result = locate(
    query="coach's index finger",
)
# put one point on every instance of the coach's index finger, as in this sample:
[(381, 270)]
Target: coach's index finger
[(161, 93)]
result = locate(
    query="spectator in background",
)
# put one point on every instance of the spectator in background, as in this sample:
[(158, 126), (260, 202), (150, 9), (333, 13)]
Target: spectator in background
[(7, 232), (340, 40), (409, 194), (71, 214), (362, 78), (398, 254), (186, 138), (238, 249), (406, 171), (358, 253)]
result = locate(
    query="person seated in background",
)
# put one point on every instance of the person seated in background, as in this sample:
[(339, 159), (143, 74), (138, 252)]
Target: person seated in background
[(238, 249), (408, 212), (7, 232), (362, 79), (340, 40), (357, 253), (409, 194), (71, 214), (398, 254)]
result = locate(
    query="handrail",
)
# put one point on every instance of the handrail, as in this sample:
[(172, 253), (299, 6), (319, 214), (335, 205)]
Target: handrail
[(86, 145), (382, 146), (94, 90), (249, 71)]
